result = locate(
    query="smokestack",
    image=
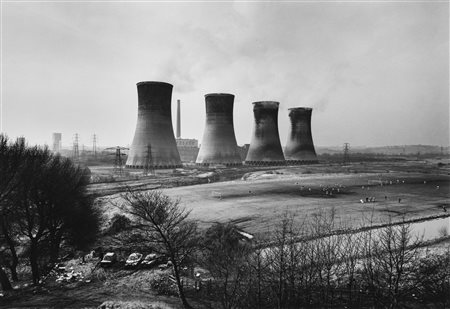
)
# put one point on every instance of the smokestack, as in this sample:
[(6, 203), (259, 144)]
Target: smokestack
[(154, 143), (219, 142), (178, 119), (265, 147), (300, 147)]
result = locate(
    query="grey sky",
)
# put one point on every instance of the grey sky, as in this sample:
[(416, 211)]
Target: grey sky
[(376, 73)]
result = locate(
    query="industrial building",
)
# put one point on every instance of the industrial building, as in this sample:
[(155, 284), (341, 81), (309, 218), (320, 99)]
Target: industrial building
[(188, 149), (265, 147), (300, 147), (154, 144), (56, 142), (219, 141)]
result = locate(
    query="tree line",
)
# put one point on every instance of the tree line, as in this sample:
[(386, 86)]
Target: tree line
[(384, 268), (44, 209)]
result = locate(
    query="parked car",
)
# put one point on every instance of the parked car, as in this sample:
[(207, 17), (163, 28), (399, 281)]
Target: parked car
[(152, 260), (134, 259), (108, 259), (165, 265)]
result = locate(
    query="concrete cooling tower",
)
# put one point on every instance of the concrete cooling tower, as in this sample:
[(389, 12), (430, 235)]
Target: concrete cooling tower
[(300, 147), (219, 142), (265, 146), (154, 143)]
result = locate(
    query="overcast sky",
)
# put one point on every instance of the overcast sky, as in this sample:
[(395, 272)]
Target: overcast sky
[(375, 73)]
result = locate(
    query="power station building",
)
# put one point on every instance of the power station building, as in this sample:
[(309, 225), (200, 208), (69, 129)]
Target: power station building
[(188, 149), (300, 147), (219, 141), (154, 144), (265, 147)]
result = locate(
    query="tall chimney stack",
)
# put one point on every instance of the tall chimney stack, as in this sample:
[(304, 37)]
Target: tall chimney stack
[(178, 119)]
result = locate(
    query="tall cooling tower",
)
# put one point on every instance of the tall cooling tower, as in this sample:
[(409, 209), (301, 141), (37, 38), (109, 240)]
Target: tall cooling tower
[(219, 142), (300, 147), (154, 144), (265, 147)]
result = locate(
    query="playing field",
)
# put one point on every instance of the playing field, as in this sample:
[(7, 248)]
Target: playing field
[(258, 199)]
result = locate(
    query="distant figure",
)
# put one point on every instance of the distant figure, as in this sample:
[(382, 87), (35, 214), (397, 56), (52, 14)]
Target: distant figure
[(209, 180), (399, 200), (250, 192), (444, 208), (367, 200), (362, 202), (385, 197), (424, 181)]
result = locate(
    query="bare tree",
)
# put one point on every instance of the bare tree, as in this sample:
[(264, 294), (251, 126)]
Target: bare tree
[(164, 223), (12, 157), (224, 255), (433, 278), (391, 255), (47, 206)]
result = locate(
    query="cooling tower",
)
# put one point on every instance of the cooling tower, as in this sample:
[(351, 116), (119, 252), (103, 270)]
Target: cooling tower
[(154, 144), (300, 147), (219, 142), (265, 146)]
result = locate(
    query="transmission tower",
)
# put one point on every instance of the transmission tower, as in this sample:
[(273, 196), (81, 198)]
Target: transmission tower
[(148, 168), (76, 151), (118, 160), (94, 145), (346, 153)]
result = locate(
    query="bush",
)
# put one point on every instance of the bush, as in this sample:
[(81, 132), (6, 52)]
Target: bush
[(119, 223), (163, 285)]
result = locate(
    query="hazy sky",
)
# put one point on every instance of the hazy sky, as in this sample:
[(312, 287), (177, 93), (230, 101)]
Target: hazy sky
[(376, 73)]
